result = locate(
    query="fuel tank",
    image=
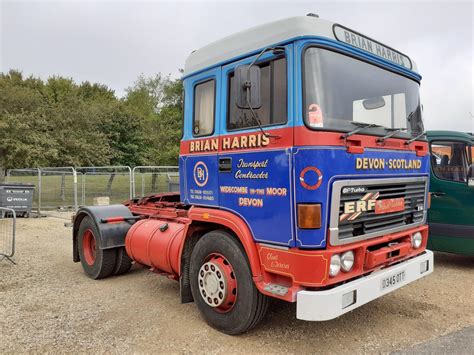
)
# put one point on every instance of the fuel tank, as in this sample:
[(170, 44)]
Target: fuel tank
[(156, 243)]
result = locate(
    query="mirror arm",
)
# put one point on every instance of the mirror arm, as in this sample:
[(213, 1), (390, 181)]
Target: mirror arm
[(264, 50), (247, 86), (254, 116)]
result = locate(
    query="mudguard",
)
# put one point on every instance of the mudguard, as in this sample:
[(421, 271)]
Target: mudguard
[(111, 235)]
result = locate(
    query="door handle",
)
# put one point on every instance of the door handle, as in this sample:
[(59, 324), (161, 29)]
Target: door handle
[(438, 194), (225, 165)]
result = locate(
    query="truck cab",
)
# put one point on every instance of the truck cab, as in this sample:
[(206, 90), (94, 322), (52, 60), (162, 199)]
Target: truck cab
[(303, 176), (317, 91), (452, 192), (331, 159)]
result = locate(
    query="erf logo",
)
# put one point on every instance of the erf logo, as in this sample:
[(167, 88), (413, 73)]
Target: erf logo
[(359, 206), (201, 174), (353, 209)]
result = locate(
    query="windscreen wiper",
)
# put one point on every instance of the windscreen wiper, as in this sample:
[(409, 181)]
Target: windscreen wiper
[(415, 138), (393, 132), (361, 127)]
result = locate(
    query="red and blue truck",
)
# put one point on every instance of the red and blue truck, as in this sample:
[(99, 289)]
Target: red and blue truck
[(303, 176)]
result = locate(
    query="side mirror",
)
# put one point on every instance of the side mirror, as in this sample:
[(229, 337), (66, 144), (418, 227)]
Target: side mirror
[(470, 176), (247, 87), (470, 182)]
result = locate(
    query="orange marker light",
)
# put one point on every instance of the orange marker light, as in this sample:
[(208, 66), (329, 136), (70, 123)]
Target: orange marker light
[(429, 199), (309, 216)]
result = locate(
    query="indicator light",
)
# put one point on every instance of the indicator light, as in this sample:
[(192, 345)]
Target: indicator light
[(309, 216)]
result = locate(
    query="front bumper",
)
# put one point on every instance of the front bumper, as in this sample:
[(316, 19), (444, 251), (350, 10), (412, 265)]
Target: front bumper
[(330, 304)]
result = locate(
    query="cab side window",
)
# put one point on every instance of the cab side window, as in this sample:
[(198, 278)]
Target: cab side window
[(274, 98), (450, 160), (204, 108)]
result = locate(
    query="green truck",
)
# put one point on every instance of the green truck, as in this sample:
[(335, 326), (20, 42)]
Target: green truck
[(451, 216)]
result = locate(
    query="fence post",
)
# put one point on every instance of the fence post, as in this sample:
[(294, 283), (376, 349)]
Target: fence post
[(132, 182), (83, 189), (39, 192), (130, 179), (74, 174)]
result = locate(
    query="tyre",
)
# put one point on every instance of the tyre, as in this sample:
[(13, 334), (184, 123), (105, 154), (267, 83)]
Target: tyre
[(97, 263), (122, 263), (222, 284)]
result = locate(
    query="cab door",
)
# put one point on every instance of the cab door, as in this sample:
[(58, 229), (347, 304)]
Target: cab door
[(451, 216), (199, 146), (255, 166)]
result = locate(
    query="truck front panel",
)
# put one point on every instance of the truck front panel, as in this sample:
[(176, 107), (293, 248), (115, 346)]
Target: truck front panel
[(342, 181)]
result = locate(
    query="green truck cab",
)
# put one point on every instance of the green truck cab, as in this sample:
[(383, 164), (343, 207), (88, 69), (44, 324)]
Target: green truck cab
[(451, 216)]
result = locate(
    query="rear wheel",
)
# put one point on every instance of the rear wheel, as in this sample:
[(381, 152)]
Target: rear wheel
[(122, 263), (222, 284), (97, 263)]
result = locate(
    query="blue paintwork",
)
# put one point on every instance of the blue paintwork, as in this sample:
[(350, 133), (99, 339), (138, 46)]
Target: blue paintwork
[(336, 164), (274, 221)]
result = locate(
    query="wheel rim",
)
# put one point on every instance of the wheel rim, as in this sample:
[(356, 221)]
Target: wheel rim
[(89, 247), (217, 283)]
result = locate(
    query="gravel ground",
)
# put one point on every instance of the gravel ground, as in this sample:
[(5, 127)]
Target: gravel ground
[(48, 305), (458, 342)]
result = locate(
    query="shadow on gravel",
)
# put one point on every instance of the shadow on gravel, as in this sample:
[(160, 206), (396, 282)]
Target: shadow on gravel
[(460, 342), (453, 260)]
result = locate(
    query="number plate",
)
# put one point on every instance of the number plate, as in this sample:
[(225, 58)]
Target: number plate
[(392, 280)]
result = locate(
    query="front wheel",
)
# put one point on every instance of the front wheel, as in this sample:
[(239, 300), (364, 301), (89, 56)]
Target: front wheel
[(222, 284)]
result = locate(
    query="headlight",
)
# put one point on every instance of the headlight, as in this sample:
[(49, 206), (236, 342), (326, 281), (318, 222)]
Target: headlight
[(347, 261), (416, 240), (335, 266)]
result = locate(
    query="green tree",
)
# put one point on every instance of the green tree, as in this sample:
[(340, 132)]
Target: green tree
[(159, 101), (58, 122)]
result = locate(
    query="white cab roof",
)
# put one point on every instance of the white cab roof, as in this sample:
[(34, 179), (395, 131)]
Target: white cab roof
[(255, 38)]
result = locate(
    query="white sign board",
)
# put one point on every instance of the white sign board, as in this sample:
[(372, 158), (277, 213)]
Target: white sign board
[(366, 44)]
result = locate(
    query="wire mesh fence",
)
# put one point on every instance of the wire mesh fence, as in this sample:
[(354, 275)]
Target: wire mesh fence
[(147, 180), (7, 233), (111, 182), (60, 191)]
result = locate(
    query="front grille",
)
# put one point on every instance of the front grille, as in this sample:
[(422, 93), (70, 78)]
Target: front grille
[(368, 224)]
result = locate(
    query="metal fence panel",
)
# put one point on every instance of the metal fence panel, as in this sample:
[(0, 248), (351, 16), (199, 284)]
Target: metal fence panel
[(113, 182), (58, 191), (7, 233), (147, 180), (64, 189)]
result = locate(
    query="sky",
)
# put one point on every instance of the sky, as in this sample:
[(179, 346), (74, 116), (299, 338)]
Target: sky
[(113, 42)]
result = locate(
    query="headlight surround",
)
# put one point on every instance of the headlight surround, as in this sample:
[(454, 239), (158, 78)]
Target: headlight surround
[(347, 261), (335, 265), (416, 240)]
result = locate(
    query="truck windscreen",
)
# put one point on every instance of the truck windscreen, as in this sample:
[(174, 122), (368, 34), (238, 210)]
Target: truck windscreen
[(340, 90)]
